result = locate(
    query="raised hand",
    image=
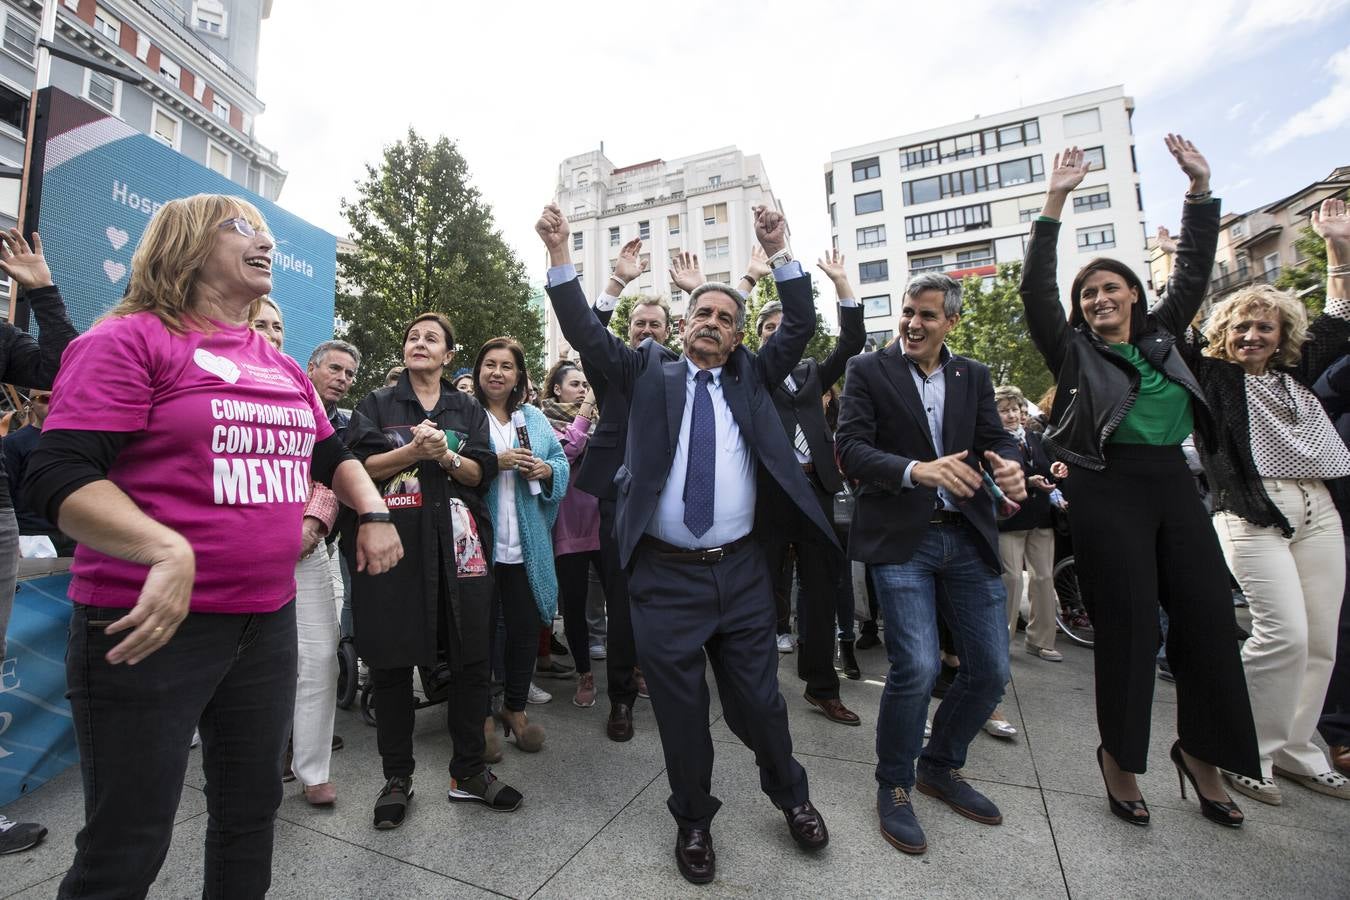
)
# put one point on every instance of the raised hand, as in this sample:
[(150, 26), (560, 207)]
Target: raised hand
[(759, 265), (1166, 243), (1069, 171), (832, 264), (770, 229), (1191, 161), (685, 272), (1332, 222), (552, 228), (630, 264), (24, 264)]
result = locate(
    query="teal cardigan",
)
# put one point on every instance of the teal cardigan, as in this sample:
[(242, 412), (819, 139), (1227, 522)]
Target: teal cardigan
[(535, 514)]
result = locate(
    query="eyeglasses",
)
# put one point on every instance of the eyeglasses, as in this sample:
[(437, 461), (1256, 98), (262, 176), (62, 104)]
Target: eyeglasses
[(244, 227)]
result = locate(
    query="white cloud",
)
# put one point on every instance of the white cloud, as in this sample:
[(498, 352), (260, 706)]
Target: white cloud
[(1236, 110), (1327, 114)]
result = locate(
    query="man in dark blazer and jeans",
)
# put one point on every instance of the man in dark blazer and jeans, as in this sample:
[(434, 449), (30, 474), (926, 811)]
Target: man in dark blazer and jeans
[(915, 424), (702, 431)]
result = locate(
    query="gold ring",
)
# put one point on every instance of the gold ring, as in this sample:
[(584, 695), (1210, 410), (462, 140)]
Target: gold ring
[(158, 629)]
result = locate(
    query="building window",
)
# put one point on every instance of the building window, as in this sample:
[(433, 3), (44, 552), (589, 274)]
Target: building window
[(220, 109), (106, 24), (644, 230), (975, 143), (165, 128), (715, 214), (866, 203), (1098, 199), (1139, 197), (879, 270), (865, 169), (1086, 122), (833, 217), (209, 16), (676, 295), (872, 236), (829, 183), (1237, 229), (879, 339), (218, 159), (581, 270), (1095, 157), (971, 259), (918, 264), (974, 181), (170, 71), (947, 221), (614, 237), (673, 224), (879, 305), (13, 109), (1026, 215), (577, 239), (20, 37), (1099, 237), (716, 248), (102, 90), (720, 277), (714, 181)]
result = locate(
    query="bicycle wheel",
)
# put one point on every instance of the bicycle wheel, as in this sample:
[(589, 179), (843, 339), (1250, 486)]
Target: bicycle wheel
[(347, 667), (1070, 614), (368, 705)]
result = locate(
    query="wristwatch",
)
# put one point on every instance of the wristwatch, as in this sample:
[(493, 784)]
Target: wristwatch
[(455, 461), (780, 259)]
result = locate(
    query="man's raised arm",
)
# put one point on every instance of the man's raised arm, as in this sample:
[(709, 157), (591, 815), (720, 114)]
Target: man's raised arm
[(781, 352)]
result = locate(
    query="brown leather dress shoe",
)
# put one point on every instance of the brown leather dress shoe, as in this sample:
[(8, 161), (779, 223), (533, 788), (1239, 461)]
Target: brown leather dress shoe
[(620, 725), (694, 855), (834, 710), (1340, 758), (807, 827)]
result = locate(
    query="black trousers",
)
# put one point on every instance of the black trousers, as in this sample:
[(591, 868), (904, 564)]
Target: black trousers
[(521, 617), (1335, 721), (621, 649), (818, 565), (574, 581), (1141, 538), (686, 615), (395, 715)]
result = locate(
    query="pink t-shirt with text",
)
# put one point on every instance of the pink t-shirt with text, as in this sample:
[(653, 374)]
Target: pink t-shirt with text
[(224, 427)]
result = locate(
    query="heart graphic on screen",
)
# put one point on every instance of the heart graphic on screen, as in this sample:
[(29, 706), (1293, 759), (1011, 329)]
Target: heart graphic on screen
[(114, 270), (216, 365), (117, 237)]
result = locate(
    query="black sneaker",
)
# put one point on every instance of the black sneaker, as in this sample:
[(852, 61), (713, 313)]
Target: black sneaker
[(944, 681), (392, 804), (16, 837), (487, 789), (867, 636)]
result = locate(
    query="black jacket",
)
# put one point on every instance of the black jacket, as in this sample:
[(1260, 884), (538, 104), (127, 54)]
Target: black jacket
[(1333, 389), (604, 450), (1095, 385), (813, 380), (654, 380), (883, 428), (1035, 511), (1233, 480)]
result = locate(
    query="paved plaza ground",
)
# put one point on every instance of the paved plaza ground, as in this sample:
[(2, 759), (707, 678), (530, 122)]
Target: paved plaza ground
[(594, 822)]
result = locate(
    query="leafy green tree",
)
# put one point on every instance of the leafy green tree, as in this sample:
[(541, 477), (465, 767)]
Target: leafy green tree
[(1309, 275), (426, 241), (993, 330), (822, 342)]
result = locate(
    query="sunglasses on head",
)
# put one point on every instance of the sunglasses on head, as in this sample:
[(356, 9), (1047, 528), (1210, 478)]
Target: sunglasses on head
[(244, 227)]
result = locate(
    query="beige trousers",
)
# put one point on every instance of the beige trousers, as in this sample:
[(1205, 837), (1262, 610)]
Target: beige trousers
[(1035, 548), (1294, 588)]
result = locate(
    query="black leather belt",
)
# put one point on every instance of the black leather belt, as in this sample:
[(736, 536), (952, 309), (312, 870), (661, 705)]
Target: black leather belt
[(947, 517), (686, 554)]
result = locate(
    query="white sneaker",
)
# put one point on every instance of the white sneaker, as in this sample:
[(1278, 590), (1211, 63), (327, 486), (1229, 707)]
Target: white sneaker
[(196, 740), (597, 650), (1001, 728), (538, 695), (927, 729), (1045, 653), (786, 644)]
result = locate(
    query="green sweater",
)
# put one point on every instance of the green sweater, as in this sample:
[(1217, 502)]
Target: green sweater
[(1161, 414)]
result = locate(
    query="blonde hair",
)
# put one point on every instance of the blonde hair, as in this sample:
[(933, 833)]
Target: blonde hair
[(1262, 298), (169, 258)]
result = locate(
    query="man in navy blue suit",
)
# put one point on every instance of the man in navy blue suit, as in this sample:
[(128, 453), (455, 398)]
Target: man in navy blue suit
[(705, 449)]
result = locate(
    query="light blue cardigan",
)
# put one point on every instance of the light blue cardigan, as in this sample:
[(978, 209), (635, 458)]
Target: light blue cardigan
[(535, 514)]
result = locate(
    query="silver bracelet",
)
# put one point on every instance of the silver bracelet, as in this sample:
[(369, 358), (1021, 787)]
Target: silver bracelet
[(619, 281), (1337, 271)]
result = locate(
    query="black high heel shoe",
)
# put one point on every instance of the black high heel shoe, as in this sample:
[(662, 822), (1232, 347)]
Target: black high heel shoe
[(1213, 810), (1123, 809)]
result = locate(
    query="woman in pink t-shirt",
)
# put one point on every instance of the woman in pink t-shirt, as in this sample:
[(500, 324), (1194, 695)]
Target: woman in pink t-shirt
[(178, 453)]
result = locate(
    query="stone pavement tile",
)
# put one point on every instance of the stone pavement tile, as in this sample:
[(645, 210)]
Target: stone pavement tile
[(572, 788), (1185, 855), (59, 805), (634, 855)]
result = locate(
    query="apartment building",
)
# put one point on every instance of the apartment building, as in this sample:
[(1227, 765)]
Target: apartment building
[(700, 203), (199, 59), (960, 198)]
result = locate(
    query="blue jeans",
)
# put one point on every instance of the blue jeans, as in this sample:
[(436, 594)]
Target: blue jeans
[(947, 576)]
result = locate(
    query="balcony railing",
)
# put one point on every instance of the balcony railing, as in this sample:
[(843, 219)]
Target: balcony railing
[(1243, 277), (959, 266)]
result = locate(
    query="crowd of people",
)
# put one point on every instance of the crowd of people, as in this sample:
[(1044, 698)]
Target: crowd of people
[(694, 489)]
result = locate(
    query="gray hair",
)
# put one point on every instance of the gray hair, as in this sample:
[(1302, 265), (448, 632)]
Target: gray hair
[(774, 307), (328, 346), (709, 287), (936, 281)]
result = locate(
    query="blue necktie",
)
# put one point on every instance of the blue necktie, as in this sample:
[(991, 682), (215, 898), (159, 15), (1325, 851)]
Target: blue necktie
[(701, 470)]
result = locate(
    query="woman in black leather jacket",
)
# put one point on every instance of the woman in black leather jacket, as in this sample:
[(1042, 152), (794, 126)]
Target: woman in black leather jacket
[(1125, 401)]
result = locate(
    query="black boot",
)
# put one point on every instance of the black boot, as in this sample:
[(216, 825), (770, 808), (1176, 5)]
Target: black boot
[(867, 636), (848, 662)]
